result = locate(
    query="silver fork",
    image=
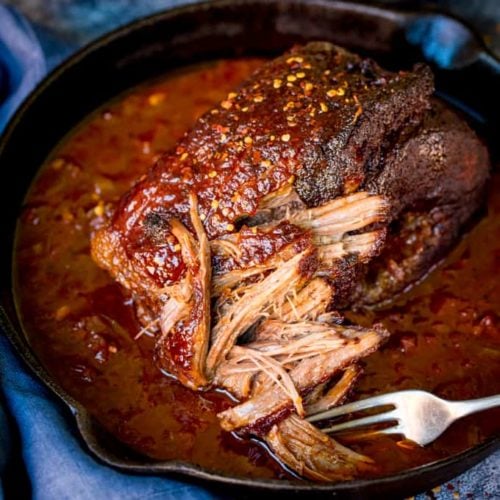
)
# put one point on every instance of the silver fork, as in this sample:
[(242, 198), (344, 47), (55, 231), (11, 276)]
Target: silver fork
[(418, 415)]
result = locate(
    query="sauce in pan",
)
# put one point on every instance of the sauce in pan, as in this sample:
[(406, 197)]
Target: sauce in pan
[(445, 332)]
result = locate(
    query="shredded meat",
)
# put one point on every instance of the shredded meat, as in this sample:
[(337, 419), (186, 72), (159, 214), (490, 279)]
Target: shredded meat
[(253, 252), (347, 346), (253, 300), (307, 304), (336, 394), (185, 317), (313, 454)]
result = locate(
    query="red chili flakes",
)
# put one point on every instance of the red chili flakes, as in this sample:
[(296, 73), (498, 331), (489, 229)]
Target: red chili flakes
[(359, 109), (61, 313)]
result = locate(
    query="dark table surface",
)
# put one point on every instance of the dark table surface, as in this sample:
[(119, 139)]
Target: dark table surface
[(66, 25)]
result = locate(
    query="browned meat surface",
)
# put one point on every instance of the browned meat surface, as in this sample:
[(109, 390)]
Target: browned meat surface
[(313, 117), (456, 167), (252, 252), (322, 181), (318, 117), (454, 161)]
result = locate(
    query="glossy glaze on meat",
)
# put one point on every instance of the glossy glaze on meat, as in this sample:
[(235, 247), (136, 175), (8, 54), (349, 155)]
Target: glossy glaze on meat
[(308, 114), (321, 118)]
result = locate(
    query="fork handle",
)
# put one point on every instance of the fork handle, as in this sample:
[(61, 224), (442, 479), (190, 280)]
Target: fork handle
[(463, 408)]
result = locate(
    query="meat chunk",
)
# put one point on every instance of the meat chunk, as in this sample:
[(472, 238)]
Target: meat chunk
[(239, 315), (333, 349), (336, 394), (291, 266), (319, 119), (313, 454), (252, 252), (323, 181), (432, 208), (251, 145), (185, 317)]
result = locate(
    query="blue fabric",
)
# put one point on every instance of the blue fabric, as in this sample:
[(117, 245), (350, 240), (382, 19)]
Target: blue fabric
[(57, 465), (22, 62), (441, 40)]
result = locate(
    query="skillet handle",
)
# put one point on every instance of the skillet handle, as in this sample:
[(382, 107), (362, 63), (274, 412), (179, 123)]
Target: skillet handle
[(490, 63)]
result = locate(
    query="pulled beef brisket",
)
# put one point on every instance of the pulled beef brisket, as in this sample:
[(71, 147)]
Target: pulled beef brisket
[(185, 317), (320, 118), (323, 181), (240, 314), (313, 454), (336, 394), (309, 372), (254, 251)]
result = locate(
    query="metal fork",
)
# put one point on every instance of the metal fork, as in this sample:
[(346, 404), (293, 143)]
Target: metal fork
[(418, 415)]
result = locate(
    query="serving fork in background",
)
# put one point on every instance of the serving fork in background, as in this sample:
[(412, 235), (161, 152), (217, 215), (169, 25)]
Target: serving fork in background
[(417, 415)]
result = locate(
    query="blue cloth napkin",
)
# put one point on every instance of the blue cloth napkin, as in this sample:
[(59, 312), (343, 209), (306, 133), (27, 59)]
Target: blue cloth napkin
[(22, 62), (33, 423)]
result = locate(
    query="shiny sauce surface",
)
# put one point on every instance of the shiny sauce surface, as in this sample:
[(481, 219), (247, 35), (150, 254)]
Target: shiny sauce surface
[(445, 331)]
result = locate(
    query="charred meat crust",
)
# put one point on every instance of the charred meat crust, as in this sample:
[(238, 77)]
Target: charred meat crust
[(435, 181), (439, 164)]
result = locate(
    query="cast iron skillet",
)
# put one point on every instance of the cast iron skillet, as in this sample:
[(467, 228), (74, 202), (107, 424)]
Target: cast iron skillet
[(465, 74)]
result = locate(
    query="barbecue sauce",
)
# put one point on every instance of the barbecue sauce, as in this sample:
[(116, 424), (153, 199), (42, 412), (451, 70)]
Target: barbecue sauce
[(445, 331)]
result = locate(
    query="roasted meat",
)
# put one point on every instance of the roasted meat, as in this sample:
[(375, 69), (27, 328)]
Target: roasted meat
[(319, 118), (313, 454), (324, 181)]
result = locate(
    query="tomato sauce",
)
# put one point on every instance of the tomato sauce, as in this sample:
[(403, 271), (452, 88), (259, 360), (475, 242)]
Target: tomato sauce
[(445, 331)]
